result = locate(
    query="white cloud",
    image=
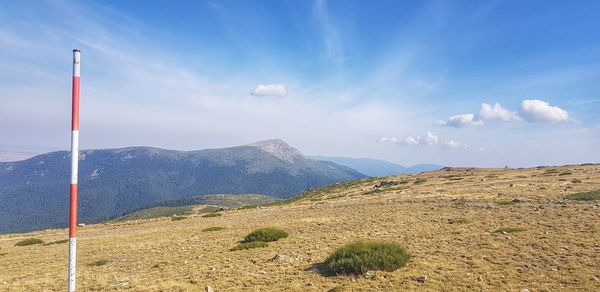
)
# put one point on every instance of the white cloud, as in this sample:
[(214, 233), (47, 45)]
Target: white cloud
[(489, 112), (534, 110), (429, 139), (459, 121), (278, 90)]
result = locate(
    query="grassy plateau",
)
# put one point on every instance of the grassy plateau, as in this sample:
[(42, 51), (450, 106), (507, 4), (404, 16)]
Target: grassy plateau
[(456, 229)]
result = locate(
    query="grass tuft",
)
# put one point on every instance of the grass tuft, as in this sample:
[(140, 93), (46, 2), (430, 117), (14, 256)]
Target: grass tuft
[(505, 202), (576, 181), (265, 234), (214, 228), (29, 241), (249, 245), (585, 196), (209, 215), (98, 263), (177, 218), (509, 230), (361, 256)]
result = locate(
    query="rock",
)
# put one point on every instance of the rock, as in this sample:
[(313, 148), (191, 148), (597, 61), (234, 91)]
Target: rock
[(208, 289), (524, 290), (518, 200), (278, 258), (81, 224), (421, 279)]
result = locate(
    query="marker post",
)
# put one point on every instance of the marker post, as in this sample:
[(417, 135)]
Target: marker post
[(74, 170)]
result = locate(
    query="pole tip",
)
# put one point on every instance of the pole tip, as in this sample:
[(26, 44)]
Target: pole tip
[(76, 50)]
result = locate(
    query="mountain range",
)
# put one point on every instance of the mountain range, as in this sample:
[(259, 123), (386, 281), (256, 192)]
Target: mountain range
[(376, 167), (34, 193)]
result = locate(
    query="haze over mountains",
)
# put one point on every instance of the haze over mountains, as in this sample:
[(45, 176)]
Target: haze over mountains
[(377, 167), (34, 192)]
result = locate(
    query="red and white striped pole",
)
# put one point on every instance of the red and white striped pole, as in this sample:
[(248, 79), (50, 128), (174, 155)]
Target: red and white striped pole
[(74, 167)]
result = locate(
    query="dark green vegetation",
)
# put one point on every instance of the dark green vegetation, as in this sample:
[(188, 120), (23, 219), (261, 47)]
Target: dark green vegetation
[(29, 241), (265, 234), (157, 212), (120, 181), (98, 263), (57, 242), (209, 215), (509, 230), (214, 228), (505, 202), (586, 196), (361, 256), (420, 180), (249, 245)]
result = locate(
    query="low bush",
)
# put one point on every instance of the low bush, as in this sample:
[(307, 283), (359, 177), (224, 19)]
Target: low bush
[(361, 256), (505, 202), (576, 181), (214, 228), (265, 234), (209, 215), (176, 218), (249, 245), (585, 196), (420, 181), (29, 241)]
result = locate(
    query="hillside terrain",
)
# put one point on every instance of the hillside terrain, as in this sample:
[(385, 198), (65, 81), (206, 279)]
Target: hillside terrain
[(377, 167), (466, 229), (34, 192)]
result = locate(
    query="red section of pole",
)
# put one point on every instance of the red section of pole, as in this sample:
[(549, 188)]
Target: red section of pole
[(75, 109)]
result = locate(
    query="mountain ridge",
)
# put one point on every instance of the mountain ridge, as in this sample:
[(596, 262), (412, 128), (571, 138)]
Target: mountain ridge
[(34, 192)]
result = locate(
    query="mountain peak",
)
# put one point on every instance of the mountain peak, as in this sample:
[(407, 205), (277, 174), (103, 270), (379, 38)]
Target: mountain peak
[(279, 149)]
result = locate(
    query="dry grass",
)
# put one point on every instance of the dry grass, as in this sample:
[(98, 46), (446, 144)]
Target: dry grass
[(560, 250)]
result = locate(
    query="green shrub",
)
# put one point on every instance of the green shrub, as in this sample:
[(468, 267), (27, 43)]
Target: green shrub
[(266, 234), (209, 215), (29, 241), (420, 181), (98, 263), (576, 181), (214, 228), (249, 245), (565, 173), (586, 196), (361, 256), (509, 230)]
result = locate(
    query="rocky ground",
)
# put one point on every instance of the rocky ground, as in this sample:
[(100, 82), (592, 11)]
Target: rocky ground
[(448, 220)]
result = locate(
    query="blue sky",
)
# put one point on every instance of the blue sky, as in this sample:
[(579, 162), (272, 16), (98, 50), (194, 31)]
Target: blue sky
[(473, 83)]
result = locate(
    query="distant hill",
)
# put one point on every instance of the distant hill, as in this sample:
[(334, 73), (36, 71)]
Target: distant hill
[(376, 167), (34, 192)]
